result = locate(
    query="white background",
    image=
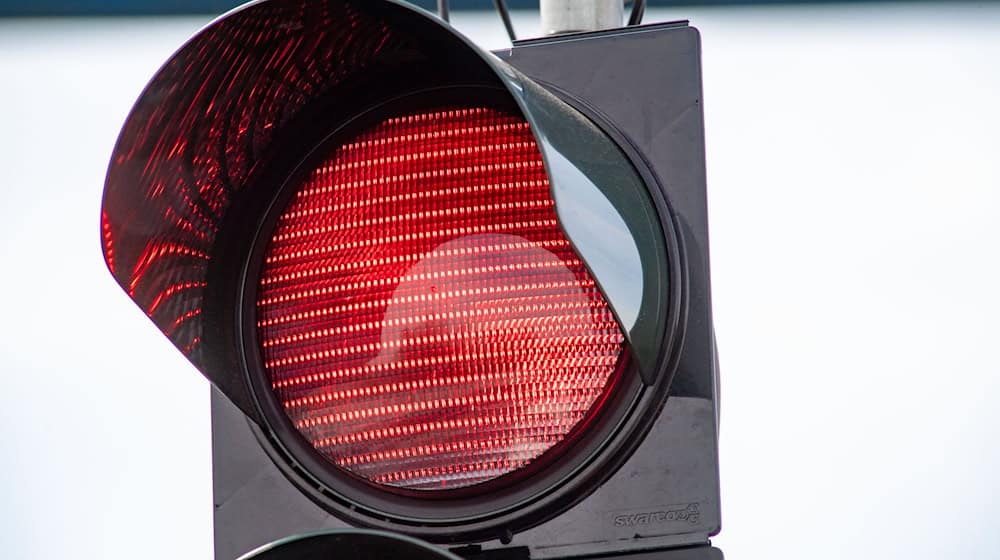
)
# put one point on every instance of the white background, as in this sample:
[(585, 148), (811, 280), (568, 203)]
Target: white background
[(854, 186)]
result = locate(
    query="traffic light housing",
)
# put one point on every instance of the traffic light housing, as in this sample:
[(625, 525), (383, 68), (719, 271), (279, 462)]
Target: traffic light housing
[(524, 235)]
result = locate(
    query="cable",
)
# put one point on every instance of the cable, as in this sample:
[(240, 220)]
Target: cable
[(638, 8), (443, 10), (505, 16)]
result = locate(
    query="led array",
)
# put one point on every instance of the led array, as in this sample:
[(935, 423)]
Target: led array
[(423, 319)]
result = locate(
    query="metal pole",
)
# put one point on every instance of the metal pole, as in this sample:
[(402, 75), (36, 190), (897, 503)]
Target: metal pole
[(567, 16)]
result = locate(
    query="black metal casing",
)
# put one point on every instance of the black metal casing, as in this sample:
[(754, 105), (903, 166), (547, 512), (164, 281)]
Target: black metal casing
[(646, 82)]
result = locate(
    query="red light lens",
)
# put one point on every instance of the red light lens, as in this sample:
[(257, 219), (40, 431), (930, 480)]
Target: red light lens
[(424, 321)]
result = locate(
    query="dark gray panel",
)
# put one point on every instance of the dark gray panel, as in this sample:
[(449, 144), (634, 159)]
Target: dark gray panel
[(254, 503), (665, 495)]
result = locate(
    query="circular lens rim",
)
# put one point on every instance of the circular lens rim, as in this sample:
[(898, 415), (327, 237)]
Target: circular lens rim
[(508, 504)]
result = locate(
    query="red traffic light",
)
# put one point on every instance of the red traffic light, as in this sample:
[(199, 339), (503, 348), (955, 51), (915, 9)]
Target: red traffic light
[(449, 299), (423, 320)]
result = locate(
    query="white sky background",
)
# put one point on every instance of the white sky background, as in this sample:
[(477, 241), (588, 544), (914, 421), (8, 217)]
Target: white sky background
[(854, 184)]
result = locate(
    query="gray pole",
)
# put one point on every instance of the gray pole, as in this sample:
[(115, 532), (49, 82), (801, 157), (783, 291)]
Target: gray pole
[(566, 16)]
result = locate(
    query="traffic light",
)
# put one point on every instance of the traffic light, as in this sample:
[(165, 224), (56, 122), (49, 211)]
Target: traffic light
[(439, 292)]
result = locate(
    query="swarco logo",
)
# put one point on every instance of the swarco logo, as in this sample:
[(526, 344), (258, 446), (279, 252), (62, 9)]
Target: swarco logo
[(688, 513)]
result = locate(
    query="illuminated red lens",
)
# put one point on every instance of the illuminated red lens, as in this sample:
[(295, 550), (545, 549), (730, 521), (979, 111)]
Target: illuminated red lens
[(424, 321)]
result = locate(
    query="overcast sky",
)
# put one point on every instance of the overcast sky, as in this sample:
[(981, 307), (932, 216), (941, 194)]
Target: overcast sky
[(854, 178)]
